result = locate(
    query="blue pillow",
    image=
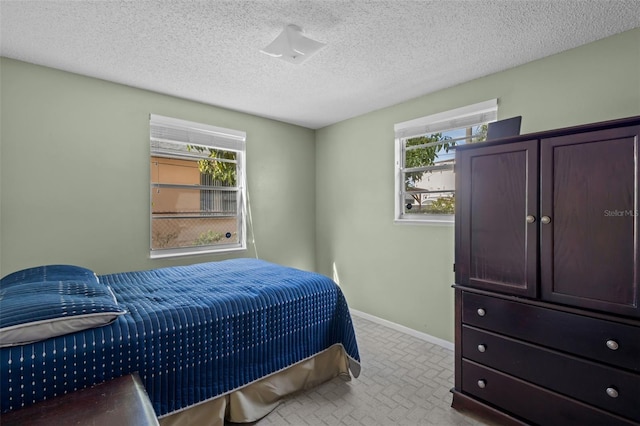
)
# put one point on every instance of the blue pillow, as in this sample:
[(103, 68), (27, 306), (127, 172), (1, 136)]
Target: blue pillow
[(48, 301), (49, 273)]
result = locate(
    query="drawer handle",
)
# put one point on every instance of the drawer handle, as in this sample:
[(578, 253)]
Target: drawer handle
[(482, 384), (482, 348), (612, 392), (481, 312), (613, 345)]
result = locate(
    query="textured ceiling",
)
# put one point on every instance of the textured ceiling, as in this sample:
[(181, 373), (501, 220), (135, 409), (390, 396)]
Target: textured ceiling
[(378, 53)]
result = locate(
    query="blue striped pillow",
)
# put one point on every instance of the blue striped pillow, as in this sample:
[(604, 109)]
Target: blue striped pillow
[(49, 273), (48, 301)]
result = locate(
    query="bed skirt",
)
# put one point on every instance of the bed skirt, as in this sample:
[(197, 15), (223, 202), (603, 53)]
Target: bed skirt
[(254, 401)]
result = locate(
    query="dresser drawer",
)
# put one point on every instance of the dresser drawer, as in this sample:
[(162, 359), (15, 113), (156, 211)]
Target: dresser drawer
[(606, 387), (605, 341), (532, 403)]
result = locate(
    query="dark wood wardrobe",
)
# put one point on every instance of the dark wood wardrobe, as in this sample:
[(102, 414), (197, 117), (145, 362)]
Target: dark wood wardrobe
[(547, 293)]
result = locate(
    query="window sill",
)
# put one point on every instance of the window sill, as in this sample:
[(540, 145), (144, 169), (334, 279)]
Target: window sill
[(444, 220), (163, 254)]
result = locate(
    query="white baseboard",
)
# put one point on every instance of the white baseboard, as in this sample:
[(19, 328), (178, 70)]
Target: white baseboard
[(401, 328)]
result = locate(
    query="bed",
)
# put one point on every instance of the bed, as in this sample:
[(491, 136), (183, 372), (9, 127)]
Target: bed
[(210, 341)]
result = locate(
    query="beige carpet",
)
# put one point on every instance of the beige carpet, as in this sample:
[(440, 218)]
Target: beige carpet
[(404, 381)]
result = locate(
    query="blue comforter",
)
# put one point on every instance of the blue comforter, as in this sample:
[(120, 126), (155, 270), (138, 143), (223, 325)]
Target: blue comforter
[(192, 333)]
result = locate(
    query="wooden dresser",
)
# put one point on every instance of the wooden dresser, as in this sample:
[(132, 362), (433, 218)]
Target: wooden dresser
[(547, 287)]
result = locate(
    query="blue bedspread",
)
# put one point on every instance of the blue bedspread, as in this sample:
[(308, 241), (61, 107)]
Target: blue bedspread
[(192, 332)]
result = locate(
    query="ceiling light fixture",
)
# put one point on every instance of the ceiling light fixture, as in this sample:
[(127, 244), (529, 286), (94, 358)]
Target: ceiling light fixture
[(292, 46)]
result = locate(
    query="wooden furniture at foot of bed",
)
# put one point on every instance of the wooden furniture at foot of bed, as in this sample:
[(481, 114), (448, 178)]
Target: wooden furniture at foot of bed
[(122, 401)]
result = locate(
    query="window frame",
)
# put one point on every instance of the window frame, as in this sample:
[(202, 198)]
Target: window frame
[(183, 132), (454, 119)]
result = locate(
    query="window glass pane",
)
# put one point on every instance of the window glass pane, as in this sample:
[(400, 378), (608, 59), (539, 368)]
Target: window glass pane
[(186, 210), (218, 203), (431, 181), (174, 171), (172, 232), (428, 176), (220, 169), (421, 203), (187, 201), (421, 152), (174, 201)]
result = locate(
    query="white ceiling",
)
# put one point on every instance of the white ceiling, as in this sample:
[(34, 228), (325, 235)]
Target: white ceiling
[(378, 53)]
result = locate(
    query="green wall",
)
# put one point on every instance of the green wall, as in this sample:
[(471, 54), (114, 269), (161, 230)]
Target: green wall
[(403, 273), (75, 174)]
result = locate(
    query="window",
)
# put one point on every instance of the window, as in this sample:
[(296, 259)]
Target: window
[(197, 188), (425, 147)]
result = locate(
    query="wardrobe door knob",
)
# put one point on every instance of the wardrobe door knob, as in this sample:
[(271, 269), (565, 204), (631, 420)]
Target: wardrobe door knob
[(531, 219), (482, 348), (612, 392), (613, 345), (482, 384), (481, 312), (545, 220)]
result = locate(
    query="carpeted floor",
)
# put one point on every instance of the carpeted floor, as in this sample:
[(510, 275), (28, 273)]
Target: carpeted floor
[(404, 381)]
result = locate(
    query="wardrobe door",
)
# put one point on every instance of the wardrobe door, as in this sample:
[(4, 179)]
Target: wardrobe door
[(589, 220), (496, 201)]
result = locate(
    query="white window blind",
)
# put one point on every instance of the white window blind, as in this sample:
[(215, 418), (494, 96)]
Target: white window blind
[(482, 112), (187, 132)]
